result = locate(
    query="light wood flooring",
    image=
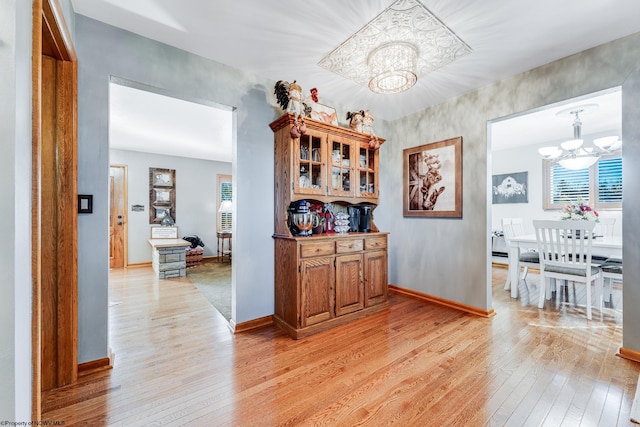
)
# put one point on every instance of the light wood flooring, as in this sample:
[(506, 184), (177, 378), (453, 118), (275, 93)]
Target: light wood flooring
[(417, 364)]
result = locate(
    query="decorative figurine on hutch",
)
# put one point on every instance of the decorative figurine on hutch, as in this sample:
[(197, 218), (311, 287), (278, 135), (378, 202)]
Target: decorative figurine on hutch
[(367, 127), (329, 218), (356, 120), (314, 94), (308, 103), (289, 97)]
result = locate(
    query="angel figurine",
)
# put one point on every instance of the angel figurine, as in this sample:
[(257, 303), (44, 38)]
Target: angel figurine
[(289, 96)]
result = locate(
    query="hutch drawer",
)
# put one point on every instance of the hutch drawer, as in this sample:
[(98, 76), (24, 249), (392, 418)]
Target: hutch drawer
[(313, 249), (375, 243), (351, 245)]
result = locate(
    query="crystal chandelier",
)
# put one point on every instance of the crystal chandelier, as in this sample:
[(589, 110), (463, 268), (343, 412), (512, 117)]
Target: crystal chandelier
[(390, 52), (392, 67), (572, 154)]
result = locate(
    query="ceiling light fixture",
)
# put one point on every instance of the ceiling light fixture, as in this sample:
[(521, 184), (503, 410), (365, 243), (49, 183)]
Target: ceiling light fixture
[(572, 154), (392, 67), (389, 53)]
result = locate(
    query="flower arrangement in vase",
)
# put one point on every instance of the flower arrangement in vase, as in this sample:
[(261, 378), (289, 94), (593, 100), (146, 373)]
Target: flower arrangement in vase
[(579, 211)]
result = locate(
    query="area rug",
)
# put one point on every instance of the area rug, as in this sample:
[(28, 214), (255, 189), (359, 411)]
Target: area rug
[(635, 407), (213, 279)]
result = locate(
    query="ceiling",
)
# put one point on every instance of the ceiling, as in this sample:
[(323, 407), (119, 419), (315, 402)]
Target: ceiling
[(148, 122), (552, 124), (286, 39)]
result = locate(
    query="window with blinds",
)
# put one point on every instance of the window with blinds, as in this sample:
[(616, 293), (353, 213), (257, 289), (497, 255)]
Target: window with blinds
[(610, 180), (600, 185), (569, 185), (225, 198)]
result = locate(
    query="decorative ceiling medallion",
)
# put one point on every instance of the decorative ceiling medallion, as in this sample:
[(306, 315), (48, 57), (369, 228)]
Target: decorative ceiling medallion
[(404, 27)]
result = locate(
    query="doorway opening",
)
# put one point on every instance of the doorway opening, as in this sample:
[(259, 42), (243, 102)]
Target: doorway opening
[(152, 129), (513, 142)]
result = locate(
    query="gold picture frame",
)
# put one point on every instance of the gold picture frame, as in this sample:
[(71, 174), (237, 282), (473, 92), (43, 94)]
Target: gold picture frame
[(432, 184)]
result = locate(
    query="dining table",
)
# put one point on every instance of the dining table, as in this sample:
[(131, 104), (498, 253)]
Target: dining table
[(609, 246)]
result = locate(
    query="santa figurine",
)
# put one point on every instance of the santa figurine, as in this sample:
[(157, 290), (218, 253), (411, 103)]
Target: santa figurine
[(295, 100), (296, 107)]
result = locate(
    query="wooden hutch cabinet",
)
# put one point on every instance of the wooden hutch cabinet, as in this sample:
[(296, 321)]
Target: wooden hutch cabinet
[(327, 279)]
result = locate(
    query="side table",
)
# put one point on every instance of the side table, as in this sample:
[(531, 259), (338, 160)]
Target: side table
[(222, 252)]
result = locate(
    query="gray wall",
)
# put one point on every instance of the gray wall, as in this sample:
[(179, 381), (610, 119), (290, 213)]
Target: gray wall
[(196, 198), (448, 257), (631, 204), (15, 227), (105, 51)]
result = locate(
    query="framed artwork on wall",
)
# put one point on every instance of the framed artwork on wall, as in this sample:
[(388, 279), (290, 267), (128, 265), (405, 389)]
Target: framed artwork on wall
[(432, 184), (323, 113), (159, 232), (510, 188), (162, 194), (163, 178), (161, 212)]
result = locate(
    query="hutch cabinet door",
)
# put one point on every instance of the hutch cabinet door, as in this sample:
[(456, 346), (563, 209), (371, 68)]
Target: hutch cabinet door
[(375, 276), (309, 174), (317, 290), (367, 172), (341, 179), (349, 284)]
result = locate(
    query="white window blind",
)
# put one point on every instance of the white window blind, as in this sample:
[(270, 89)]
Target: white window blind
[(225, 194), (226, 218), (600, 185), (569, 185), (610, 180)]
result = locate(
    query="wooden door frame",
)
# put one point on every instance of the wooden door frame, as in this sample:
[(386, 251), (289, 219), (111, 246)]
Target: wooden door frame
[(51, 37), (125, 198)]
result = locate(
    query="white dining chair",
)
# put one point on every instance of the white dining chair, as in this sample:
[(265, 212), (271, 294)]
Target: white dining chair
[(518, 226), (512, 227), (565, 248), (604, 227), (611, 271)]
